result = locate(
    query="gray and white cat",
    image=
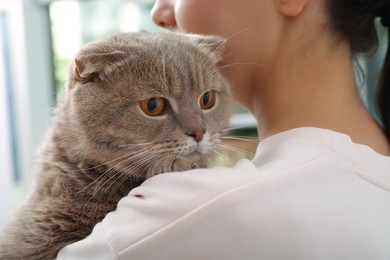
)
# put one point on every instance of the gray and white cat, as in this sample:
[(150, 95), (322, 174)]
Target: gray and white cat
[(135, 105)]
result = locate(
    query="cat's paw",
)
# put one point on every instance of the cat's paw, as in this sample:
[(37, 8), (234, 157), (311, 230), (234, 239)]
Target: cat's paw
[(171, 163)]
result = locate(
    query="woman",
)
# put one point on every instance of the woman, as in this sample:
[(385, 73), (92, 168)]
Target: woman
[(319, 186)]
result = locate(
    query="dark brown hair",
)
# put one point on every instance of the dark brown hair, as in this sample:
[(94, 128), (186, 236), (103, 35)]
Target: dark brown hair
[(354, 21)]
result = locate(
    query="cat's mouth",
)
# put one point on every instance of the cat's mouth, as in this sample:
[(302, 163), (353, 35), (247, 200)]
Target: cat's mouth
[(197, 150), (194, 150), (200, 150)]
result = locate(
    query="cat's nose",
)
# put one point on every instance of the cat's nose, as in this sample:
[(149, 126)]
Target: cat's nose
[(197, 135), (163, 14)]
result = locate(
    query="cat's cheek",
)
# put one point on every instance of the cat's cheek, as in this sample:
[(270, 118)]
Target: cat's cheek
[(188, 148), (204, 147), (171, 163)]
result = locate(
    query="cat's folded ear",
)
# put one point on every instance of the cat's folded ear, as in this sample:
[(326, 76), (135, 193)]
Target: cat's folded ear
[(212, 43), (93, 64)]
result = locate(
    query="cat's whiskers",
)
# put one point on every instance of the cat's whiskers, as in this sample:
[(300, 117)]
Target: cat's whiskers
[(99, 187), (119, 173), (239, 32), (245, 139), (222, 45), (108, 162), (124, 162), (235, 149), (147, 160), (134, 145), (215, 141), (150, 153), (233, 65), (97, 190), (112, 180), (235, 128), (121, 178), (216, 152), (78, 146), (240, 63), (135, 153)]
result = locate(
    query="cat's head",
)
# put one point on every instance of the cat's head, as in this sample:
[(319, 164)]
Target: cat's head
[(137, 96)]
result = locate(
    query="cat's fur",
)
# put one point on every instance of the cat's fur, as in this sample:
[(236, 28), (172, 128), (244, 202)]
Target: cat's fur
[(91, 158)]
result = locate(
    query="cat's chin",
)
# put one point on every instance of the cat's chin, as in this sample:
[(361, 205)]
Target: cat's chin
[(196, 156)]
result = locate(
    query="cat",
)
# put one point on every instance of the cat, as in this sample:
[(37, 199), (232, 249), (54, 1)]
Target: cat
[(135, 105)]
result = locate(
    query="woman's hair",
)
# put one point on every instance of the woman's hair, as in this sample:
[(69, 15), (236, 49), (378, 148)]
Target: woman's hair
[(354, 21)]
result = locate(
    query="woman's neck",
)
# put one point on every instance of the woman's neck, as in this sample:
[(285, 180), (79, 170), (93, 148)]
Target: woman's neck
[(315, 88)]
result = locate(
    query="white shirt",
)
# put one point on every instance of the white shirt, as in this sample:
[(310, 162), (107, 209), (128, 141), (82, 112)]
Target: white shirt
[(308, 194)]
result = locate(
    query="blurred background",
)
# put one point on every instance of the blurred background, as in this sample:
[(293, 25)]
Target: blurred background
[(38, 38)]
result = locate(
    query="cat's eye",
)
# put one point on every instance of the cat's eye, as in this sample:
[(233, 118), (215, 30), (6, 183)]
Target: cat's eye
[(154, 106), (207, 100)]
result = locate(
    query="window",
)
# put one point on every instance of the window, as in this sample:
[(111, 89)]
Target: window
[(75, 23), (26, 96), (7, 161)]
